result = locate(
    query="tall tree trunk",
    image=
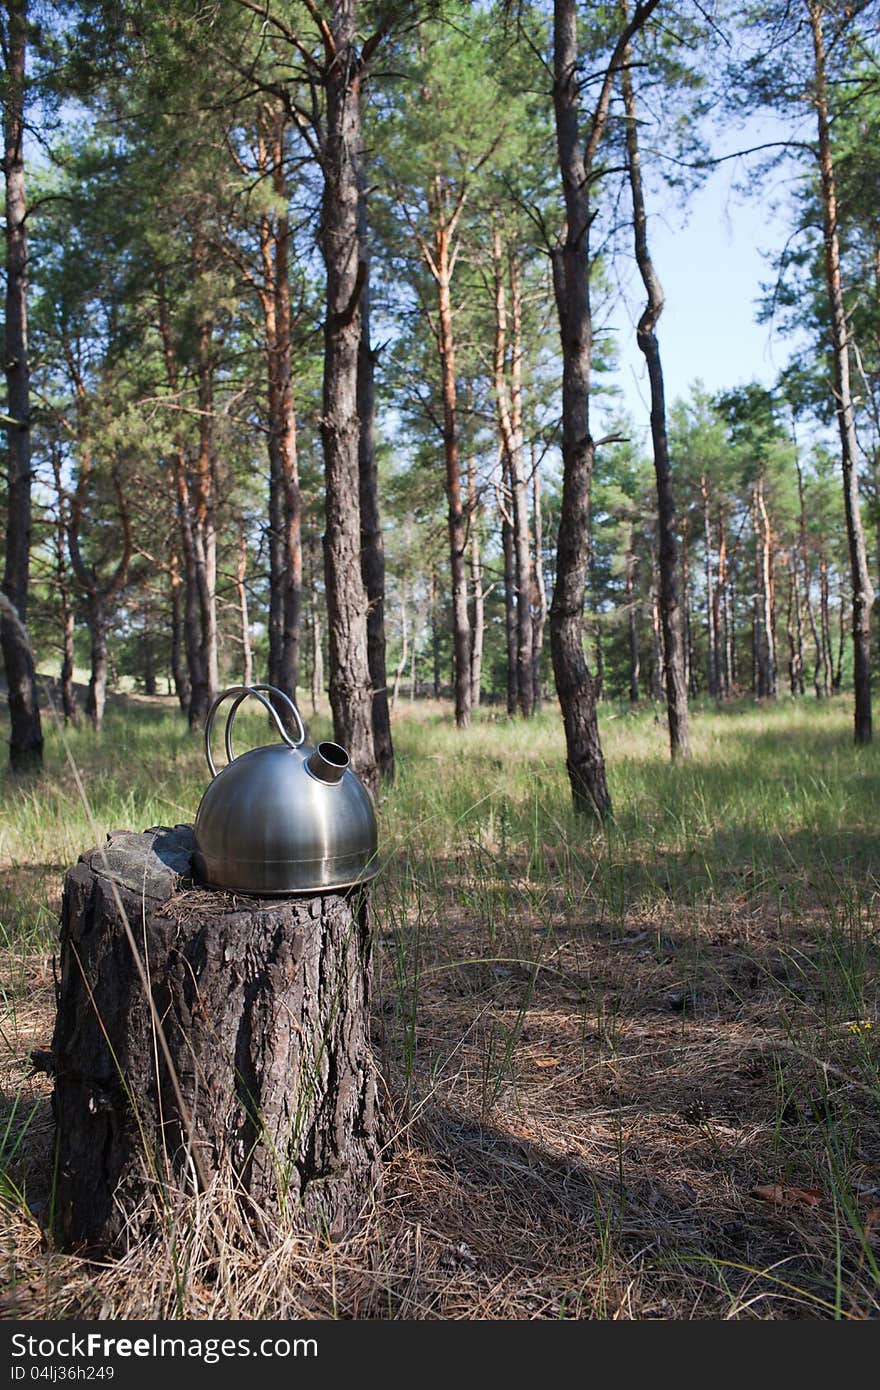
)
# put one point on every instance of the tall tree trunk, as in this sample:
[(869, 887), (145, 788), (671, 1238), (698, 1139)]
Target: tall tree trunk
[(417, 628), (825, 619), (690, 663), (539, 590), (99, 592), (799, 625), (197, 705), (274, 441), (292, 510), (792, 642), (727, 614), (808, 579), (96, 697), (479, 622), (68, 691), (372, 547), (285, 525), (520, 498), (722, 617), (178, 668), (461, 633), (632, 619), (351, 695), (26, 734), (317, 652), (766, 592), (571, 261), (509, 408), (646, 337), (435, 635), (717, 615), (205, 525), (711, 631), (148, 652), (247, 663), (404, 644), (507, 552), (794, 629), (658, 674), (757, 606), (862, 589), (196, 682), (837, 678)]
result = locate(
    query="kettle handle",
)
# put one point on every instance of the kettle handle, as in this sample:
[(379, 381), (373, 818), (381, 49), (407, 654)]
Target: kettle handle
[(255, 691), (242, 692)]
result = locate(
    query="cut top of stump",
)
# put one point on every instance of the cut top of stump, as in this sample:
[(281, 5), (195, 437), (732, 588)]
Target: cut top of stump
[(151, 863)]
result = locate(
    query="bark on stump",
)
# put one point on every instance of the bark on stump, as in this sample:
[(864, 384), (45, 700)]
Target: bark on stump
[(264, 1005)]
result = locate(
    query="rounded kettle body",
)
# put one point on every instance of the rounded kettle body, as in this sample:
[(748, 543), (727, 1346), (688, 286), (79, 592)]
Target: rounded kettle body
[(285, 818)]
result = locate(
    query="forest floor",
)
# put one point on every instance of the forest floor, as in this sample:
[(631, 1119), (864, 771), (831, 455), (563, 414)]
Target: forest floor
[(631, 1073)]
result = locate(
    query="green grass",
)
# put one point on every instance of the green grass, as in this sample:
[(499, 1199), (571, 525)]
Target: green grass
[(775, 799), (597, 1040)]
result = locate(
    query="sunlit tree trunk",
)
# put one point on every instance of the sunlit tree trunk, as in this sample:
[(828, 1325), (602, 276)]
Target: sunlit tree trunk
[(98, 592), (351, 695), (837, 679), (285, 523), (461, 632), (825, 620), (793, 630), (26, 735), (711, 630), (799, 625), (571, 262), (722, 615), (203, 523), (62, 579), (99, 595), (658, 673), (632, 619), (98, 622), (315, 614), (509, 565), (179, 672), (727, 614), (372, 546), (508, 397), (690, 664), (766, 643), (196, 682), (808, 580), (479, 606), (247, 664), (646, 336), (862, 588), (435, 635), (404, 643), (539, 593)]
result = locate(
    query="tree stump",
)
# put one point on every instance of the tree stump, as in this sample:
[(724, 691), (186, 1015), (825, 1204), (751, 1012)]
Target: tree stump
[(265, 1087)]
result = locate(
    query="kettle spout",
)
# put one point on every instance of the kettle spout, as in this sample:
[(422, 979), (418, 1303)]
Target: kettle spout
[(328, 762)]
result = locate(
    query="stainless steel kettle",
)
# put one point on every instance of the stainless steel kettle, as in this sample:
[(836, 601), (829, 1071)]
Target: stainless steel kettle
[(285, 818)]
